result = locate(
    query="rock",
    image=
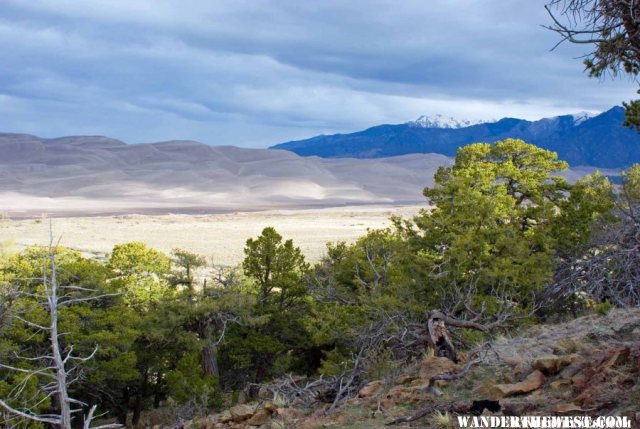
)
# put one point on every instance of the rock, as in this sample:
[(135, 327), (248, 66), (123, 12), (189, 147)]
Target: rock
[(264, 393), (565, 346), (259, 418), (387, 403), (576, 366), (514, 408), (615, 357), (580, 381), (370, 389), (400, 394), (207, 422), (520, 366), (288, 414), (534, 381), (405, 379), (551, 365), (242, 397), (567, 408), (433, 365), (225, 416), (269, 406), (406, 394), (560, 383), (241, 412)]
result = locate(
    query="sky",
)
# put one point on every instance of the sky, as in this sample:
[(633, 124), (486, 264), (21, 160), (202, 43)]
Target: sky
[(260, 72)]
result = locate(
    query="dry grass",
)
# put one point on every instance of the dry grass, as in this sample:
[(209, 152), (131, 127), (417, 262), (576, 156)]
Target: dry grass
[(540, 340), (219, 236)]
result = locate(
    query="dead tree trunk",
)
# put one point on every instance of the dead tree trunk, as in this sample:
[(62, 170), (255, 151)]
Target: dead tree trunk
[(59, 362), (439, 340), (56, 364)]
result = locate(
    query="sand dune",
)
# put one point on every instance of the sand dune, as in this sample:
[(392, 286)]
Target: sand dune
[(99, 175), (75, 176)]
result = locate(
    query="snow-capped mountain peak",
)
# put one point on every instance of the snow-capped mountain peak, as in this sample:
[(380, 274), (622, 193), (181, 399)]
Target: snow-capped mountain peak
[(441, 121), (580, 117)]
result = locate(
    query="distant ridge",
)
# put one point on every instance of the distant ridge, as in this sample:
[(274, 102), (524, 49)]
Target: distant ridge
[(440, 121), (582, 139)]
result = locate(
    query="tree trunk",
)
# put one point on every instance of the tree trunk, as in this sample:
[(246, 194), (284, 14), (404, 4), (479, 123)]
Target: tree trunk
[(123, 407), (210, 359), (139, 402), (209, 350), (58, 361), (439, 338)]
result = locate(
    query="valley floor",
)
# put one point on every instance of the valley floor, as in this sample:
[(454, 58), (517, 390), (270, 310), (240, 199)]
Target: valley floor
[(220, 237)]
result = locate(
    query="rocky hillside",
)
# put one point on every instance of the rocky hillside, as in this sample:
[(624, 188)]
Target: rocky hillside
[(588, 366)]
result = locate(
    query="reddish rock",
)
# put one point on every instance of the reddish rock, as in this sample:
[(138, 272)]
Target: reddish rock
[(387, 403), (405, 379), (433, 365), (370, 389), (551, 365), (534, 381), (259, 418), (241, 412), (270, 406), (560, 383), (568, 408)]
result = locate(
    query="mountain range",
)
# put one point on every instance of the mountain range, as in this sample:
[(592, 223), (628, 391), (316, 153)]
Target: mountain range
[(581, 140)]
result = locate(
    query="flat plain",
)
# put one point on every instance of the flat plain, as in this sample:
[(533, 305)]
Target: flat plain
[(219, 237)]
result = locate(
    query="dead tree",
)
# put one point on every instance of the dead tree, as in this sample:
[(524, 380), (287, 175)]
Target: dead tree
[(612, 27), (57, 365), (607, 270), (212, 327), (458, 311)]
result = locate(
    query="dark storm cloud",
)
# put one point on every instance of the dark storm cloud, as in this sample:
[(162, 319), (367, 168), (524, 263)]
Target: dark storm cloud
[(259, 72)]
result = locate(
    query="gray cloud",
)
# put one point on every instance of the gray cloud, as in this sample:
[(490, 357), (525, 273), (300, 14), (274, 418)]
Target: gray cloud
[(254, 73)]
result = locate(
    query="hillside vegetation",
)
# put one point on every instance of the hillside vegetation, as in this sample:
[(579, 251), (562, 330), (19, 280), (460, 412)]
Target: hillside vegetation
[(411, 322)]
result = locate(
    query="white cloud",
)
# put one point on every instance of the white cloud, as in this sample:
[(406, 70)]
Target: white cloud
[(256, 73)]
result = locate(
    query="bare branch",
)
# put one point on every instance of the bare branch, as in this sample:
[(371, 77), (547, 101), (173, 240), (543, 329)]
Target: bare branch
[(29, 415)]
